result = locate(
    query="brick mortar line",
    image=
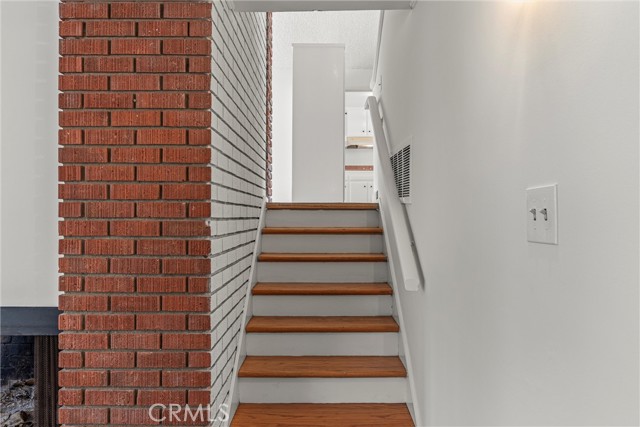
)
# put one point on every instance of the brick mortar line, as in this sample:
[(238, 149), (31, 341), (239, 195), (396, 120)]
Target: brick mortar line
[(133, 37), (236, 233), (230, 281), (230, 97), (135, 181), (241, 300), (137, 256), (133, 237), (255, 75), (137, 200), (235, 175), (132, 91), (157, 146), (142, 294), (235, 145)]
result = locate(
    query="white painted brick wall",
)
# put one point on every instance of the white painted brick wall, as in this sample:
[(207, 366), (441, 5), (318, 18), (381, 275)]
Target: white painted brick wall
[(239, 160)]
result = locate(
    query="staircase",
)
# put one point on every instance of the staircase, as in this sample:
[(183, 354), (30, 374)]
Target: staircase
[(322, 342)]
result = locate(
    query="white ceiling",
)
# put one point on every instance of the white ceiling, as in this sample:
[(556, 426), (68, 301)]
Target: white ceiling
[(358, 30)]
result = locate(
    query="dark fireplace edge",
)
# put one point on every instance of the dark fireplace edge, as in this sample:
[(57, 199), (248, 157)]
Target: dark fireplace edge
[(29, 320)]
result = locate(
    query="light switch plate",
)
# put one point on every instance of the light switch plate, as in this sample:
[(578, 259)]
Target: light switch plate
[(539, 228)]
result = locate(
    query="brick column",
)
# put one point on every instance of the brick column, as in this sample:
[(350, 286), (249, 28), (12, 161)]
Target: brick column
[(135, 206)]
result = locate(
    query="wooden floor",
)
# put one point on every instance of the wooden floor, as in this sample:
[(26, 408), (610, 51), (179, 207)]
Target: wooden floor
[(322, 415), (280, 324), (321, 257), (322, 367), (322, 289)]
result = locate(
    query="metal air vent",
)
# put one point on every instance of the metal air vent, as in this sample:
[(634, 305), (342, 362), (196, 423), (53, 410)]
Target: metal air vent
[(401, 165)]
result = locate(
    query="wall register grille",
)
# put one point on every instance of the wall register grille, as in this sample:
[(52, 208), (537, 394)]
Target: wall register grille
[(401, 165)]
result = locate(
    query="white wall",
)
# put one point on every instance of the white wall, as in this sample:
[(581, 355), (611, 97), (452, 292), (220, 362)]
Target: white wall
[(318, 123), (500, 96), (29, 124), (282, 80), (358, 157)]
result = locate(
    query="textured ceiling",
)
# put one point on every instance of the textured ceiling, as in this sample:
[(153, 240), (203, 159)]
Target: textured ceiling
[(358, 30)]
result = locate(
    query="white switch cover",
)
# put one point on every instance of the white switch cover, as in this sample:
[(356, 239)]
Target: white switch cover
[(542, 214)]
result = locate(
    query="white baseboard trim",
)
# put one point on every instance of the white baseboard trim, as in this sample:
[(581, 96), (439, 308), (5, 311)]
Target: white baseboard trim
[(241, 351)]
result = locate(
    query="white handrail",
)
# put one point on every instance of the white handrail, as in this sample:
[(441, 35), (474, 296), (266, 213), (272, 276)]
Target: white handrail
[(395, 221), (374, 76)]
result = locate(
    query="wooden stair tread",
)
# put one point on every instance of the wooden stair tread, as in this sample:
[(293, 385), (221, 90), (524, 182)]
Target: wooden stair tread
[(322, 415), (279, 324), (321, 257), (322, 230), (322, 367), (323, 206), (322, 289)]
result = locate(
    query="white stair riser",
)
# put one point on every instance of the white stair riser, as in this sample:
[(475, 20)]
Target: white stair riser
[(364, 243), (323, 390), (322, 272), (318, 305), (323, 344), (328, 218)]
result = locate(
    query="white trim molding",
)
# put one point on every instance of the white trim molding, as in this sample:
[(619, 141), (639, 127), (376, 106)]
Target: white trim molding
[(241, 350)]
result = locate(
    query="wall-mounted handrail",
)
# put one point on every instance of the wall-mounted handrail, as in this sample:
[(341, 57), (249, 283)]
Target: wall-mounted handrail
[(374, 76), (396, 222)]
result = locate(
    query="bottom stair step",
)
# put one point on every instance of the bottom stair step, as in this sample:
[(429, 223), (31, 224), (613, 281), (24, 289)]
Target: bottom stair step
[(322, 415)]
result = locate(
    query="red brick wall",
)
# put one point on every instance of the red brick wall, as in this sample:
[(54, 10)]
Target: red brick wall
[(135, 206)]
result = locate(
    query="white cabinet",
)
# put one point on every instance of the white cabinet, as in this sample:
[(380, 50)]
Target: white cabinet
[(359, 186), (358, 123), (358, 191)]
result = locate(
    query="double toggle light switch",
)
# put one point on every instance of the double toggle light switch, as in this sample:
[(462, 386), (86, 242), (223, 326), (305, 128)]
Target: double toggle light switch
[(542, 218), (543, 212)]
